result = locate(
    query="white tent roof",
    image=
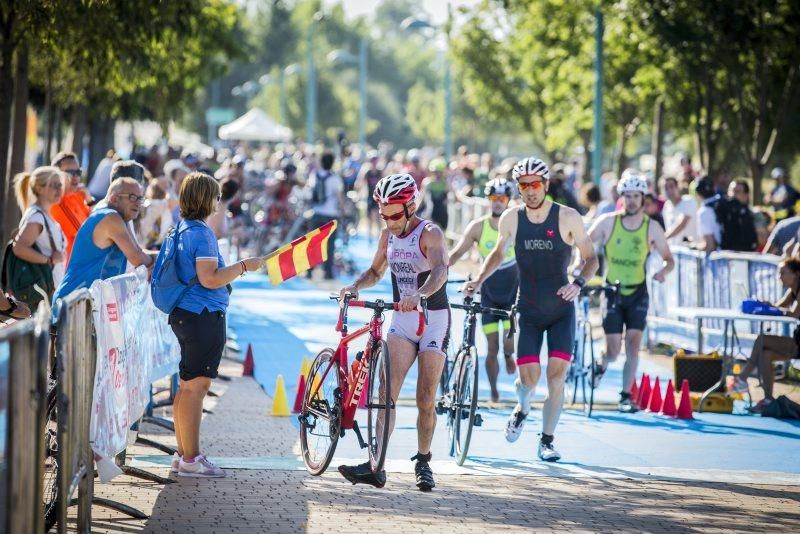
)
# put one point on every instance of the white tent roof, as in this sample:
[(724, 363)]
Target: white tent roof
[(255, 125)]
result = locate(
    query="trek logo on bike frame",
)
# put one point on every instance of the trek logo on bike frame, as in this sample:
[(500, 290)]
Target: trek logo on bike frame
[(362, 379)]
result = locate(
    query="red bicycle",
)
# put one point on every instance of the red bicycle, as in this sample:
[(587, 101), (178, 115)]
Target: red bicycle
[(333, 390)]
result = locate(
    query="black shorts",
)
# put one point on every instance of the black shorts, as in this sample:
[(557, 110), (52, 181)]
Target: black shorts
[(499, 291), (202, 338), (560, 336), (629, 311)]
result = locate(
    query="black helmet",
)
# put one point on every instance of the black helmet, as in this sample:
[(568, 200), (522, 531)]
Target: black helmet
[(498, 186)]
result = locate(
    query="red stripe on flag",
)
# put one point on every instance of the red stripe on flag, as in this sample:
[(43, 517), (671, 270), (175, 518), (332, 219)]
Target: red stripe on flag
[(318, 243), (286, 263)]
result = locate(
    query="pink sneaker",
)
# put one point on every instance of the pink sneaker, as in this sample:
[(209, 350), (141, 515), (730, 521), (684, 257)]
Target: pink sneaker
[(199, 467)]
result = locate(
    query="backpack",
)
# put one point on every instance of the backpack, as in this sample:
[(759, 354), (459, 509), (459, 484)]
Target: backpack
[(736, 224), (318, 194), (166, 287), (21, 277)]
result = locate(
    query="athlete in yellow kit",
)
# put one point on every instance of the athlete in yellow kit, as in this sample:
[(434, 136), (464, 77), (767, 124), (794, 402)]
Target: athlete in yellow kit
[(499, 291), (628, 238)]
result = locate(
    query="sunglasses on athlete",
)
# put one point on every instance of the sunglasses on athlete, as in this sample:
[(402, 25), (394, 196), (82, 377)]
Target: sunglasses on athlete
[(534, 185), (498, 198), (395, 217)]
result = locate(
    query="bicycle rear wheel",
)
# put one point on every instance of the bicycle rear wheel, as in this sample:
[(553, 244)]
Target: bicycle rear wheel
[(466, 403), (380, 406), (590, 371), (320, 417), (447, 371)]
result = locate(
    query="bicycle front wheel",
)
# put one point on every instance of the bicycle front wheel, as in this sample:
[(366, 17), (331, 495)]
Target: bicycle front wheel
[(590, 371), (320, 417), (466, 403), (380, 405)]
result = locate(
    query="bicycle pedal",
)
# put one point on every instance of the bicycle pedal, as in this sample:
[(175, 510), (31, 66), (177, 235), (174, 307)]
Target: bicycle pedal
[(478, 420), (440, 408)]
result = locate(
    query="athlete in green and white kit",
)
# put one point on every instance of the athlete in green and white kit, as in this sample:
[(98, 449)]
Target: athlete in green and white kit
[(500, 289), (628, 238)]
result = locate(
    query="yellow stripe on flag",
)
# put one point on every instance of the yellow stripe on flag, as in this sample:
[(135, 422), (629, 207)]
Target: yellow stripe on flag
[(273, 269), (300, 256)]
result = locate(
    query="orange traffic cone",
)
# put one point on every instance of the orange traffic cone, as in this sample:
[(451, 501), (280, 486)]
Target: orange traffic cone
[(644, 393), (635, 393), (668, 407), (249, 364), (301, 393), (655, 398), (685, 406)]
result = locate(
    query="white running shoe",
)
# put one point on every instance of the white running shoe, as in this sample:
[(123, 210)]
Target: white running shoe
[(515, 424), (176, 462), (200, 467), (548, 453)]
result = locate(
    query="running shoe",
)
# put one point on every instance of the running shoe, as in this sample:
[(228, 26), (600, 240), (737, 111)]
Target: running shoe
[(176, 462), (548, 453), (515, 424), (598, 375), (626, 404), (422, 470), (760, 406), (199, 467), (739, 385), (362, 474)]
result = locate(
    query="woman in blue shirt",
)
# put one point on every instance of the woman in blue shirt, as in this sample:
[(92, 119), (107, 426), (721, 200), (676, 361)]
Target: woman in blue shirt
[(198, 320)]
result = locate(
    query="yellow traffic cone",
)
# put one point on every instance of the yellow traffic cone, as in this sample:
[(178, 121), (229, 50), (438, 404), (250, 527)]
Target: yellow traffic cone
[(280, 406), (305, 367)]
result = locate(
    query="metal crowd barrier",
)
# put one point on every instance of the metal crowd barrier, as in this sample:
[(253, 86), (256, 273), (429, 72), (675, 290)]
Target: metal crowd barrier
[(461, 212), (717, 280), (23, 394), (76, 356)]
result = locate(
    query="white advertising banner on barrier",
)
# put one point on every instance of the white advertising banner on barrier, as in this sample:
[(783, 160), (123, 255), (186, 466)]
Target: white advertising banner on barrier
[(135, 347)]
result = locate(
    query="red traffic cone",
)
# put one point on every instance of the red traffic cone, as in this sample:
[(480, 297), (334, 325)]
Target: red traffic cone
[(362, 401), (668, 407), (685, 406), (301, 393), (635, 393), (655, 398), (644, 393), (249, 364)]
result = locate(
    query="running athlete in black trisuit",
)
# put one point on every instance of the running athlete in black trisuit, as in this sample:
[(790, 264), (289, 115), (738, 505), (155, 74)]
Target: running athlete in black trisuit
[(543, 234)]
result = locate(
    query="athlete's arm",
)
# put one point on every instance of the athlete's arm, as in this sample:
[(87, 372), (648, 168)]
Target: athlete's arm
[(574, 225), (113, 228), (469, 238), (601, 229), (506, 233), (433, 245), (658, 241), (372, 276)]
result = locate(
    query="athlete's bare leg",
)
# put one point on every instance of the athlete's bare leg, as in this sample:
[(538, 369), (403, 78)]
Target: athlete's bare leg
[(430, 369)]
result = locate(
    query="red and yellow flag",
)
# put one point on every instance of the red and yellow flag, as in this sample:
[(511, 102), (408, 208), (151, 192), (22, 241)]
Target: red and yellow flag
[(300, 255)]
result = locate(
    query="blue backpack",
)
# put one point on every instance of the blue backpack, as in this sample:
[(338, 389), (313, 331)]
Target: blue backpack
[(166, 287)]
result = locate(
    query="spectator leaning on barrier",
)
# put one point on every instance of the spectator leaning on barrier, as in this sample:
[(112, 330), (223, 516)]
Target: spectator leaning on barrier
[(73, 208), (327, 196), (680, 213), (39, 238), (104, 243), (768, 349), (783, 233), (708, 229), (198, 319)]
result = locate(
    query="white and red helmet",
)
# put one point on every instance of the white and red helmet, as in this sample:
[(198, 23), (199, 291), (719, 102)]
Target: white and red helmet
[(396, 189), (530, 167)]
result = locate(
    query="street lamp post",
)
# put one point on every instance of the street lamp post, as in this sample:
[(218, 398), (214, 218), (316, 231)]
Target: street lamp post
[(412, 23)]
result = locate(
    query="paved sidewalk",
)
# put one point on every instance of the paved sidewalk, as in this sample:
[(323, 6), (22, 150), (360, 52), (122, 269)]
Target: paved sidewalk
[(277, 500)]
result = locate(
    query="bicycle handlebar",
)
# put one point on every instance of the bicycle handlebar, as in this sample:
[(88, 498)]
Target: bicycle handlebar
[(378, 305), (473, 307), (608, 289)]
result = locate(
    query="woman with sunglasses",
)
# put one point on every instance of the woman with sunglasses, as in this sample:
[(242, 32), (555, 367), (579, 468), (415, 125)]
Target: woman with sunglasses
[(500, 289), (544, 234)]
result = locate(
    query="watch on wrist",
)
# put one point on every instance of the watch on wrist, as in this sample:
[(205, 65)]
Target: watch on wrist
[(579, 281)]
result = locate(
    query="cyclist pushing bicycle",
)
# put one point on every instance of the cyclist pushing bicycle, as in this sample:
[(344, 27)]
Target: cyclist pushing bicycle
[(415, 252)]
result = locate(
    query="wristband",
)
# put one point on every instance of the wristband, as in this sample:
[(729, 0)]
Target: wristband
[(579, 281), (244, 267)]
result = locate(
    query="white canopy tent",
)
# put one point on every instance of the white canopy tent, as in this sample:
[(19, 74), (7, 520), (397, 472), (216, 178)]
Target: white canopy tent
[(255, 125)]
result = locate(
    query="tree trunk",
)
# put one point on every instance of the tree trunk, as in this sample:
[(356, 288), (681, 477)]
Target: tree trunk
[(78, 131), (6, 99), (50, 109), (586, 138), (622, 159), (59, 129), (101, 140), (19, 131)]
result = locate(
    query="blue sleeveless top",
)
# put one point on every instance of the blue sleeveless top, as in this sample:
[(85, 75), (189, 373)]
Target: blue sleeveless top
[(88, 262)]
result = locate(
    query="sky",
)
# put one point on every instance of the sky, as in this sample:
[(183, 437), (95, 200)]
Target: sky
[(436, 8)]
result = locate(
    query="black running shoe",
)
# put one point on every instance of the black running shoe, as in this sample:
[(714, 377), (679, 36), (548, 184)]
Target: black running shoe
[(362, 474), (423, 471)]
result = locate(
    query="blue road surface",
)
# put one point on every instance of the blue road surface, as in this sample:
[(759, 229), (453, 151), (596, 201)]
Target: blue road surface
[(297, 319)]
